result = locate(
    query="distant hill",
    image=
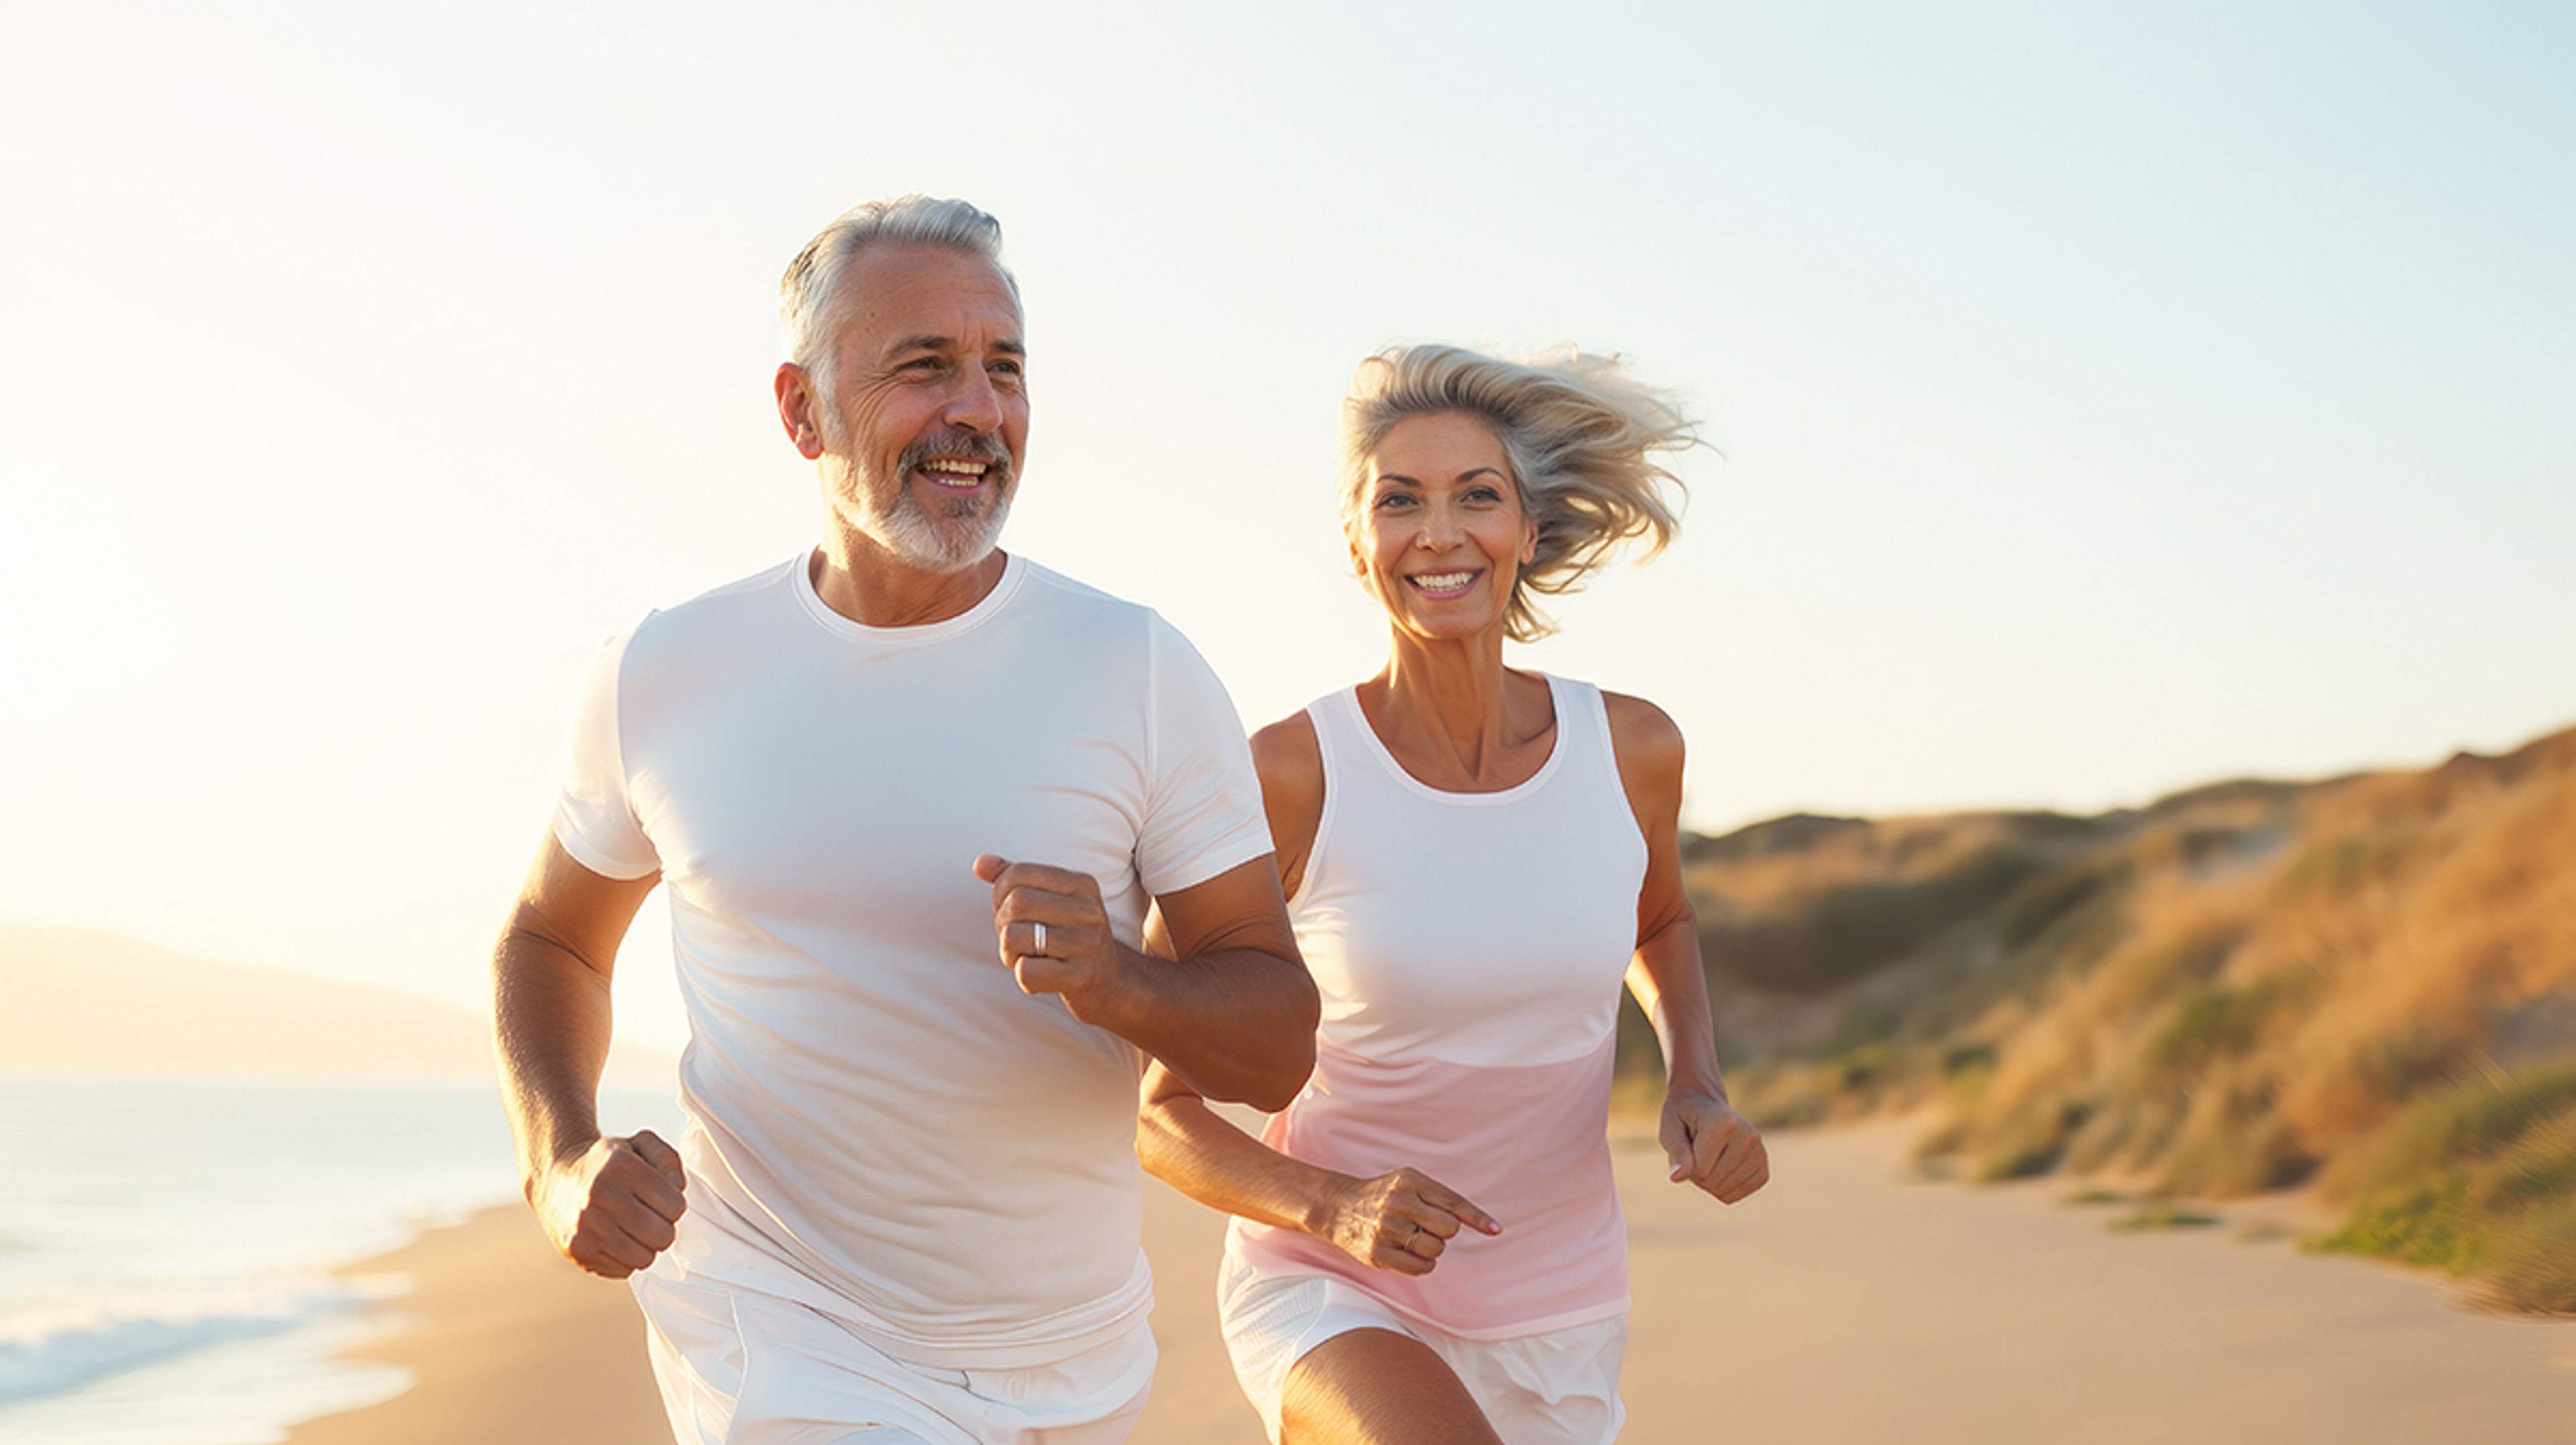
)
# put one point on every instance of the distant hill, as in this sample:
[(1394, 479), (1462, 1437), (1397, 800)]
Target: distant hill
[(95, 1003), (2368, 982)]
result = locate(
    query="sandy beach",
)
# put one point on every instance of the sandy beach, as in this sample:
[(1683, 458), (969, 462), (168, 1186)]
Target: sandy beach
[(1846, 1303)]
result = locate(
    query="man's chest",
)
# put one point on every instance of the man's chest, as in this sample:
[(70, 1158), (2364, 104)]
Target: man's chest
[(879, 789)]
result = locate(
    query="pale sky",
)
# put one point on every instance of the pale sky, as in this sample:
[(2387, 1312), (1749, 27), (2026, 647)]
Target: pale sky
[(2109, 403)]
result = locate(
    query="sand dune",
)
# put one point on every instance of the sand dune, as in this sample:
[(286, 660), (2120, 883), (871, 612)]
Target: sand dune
[(1846, 1305), (95, 1003)]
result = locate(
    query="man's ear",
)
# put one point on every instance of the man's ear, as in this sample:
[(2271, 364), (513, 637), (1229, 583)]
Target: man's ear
[(796, 408)]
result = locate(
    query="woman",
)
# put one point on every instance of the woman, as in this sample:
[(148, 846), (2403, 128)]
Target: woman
[(1427, 1246)]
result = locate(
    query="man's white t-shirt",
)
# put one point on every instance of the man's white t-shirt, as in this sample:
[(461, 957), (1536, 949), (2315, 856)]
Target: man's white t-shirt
[(881, 1125)]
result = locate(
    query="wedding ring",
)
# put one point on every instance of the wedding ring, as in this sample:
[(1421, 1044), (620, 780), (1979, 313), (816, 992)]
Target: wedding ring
[(1039, 949)]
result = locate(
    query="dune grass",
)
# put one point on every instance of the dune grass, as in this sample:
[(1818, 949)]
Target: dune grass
[(2479, 1179), (2242, 988), (2164, 1216)]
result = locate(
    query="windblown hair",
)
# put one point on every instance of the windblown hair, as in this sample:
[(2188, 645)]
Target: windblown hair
[(1582, 439), (808, 306)]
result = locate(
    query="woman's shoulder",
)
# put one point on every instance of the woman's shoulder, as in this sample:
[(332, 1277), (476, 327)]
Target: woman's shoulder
[(1289, 748), (1633, 719), (1644, 740), (1290, 760), (1637, 727)]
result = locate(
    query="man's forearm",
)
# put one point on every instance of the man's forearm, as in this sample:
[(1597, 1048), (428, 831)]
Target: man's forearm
[(1236, 1024), (551, 1025)]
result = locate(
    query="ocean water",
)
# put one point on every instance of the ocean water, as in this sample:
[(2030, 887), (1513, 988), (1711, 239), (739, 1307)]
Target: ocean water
[(166, 1246)]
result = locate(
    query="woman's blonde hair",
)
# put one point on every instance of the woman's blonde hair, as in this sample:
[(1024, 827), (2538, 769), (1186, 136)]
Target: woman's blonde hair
[(1581, 437)]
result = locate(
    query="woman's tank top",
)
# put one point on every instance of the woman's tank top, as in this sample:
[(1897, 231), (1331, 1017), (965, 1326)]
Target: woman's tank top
[(1470, 949)]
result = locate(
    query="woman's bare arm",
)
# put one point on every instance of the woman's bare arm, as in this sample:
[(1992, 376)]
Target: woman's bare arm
[(1708, 1143)]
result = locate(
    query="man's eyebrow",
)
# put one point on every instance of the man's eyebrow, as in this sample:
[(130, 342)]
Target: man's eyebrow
[(1008, 346)]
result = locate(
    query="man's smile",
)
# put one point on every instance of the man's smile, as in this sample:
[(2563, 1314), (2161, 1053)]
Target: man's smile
[(956, 473)]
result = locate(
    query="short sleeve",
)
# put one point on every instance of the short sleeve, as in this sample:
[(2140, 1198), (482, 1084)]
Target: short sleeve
[(1203, 805), (594, 819)]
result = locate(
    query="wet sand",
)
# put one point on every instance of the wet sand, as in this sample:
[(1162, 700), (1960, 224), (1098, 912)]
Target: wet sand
[(1846, 1303), (510, 1346)]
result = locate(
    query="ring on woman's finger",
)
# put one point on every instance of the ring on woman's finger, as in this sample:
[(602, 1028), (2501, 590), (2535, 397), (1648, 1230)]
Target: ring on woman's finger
[(1039, 948)]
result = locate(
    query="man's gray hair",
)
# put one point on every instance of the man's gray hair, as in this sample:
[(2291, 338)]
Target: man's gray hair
[(1582, 438), (808, 308)]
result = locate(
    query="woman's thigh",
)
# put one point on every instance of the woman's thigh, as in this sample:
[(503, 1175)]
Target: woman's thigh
[(1378, 1387)]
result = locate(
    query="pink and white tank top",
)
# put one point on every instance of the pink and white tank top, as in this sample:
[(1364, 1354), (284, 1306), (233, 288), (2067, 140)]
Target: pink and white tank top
[(1470, 948)]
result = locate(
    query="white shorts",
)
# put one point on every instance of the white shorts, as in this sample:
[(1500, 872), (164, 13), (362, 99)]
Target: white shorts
[(1558, 1388), (738, 1367)]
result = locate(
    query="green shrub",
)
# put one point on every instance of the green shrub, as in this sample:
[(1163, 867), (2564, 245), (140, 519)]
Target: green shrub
[(1964, 1058), (2470, 1122), (2040, 903), (1849, 933), (1864, 1023), (1860, 1070), (2422, 1225), (2238, 1147), (2034, 1143), (2208, 1023), (2479, 1178), (2164, 1216)]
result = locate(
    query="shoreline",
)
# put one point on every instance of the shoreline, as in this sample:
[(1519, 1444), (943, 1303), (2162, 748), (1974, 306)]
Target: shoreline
[(504, 1341), (1848, 1302)]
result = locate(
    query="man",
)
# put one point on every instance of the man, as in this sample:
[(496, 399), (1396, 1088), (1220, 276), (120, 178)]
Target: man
[(906, 1206)]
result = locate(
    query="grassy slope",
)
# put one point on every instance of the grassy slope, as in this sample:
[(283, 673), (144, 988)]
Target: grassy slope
[(2369, 983)]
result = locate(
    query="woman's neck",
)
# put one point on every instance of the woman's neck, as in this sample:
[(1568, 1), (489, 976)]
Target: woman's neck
[(1456, 718)]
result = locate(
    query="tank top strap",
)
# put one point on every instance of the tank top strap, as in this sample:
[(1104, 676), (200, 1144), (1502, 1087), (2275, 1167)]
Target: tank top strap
[(1342, 752), (1340, 731), (1583, 730)]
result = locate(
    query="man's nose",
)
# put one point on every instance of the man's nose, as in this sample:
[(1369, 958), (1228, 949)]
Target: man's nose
[(974, 406)]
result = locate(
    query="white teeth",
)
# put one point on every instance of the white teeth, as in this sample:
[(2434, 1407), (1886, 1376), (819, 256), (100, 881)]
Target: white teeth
[(1442, 581), (953, 467)]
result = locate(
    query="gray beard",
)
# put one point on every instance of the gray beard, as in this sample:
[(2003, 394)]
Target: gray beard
[(955, 536), (964, 536)]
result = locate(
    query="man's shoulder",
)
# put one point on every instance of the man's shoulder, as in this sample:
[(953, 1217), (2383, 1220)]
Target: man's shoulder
[(772, 581), (1050, 593), (721, 622), (729, 602), (1052, 588)]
